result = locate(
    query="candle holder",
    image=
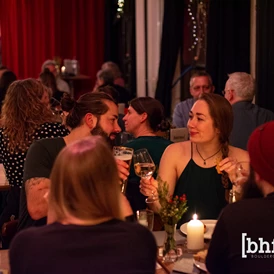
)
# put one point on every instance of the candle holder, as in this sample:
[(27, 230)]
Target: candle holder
[(170, 252)]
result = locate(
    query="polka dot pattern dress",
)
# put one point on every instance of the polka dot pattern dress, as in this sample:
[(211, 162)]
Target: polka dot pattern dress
[(14, 163)]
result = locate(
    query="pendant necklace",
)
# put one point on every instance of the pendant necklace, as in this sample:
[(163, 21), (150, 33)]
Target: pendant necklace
[(204, 159)]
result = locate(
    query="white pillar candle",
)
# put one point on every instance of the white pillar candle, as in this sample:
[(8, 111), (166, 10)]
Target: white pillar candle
[(195, 234)]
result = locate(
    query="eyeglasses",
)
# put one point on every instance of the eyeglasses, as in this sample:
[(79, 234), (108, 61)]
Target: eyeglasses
[(225, 91), (197, 88)]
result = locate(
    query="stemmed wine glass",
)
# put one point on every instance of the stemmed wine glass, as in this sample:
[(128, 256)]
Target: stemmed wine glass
[(144, 167), (241, 173)]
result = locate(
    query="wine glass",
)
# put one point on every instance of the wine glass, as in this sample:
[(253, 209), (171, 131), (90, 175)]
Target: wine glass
[(144, 167), (241, 173), (145, 217), (124, 154)]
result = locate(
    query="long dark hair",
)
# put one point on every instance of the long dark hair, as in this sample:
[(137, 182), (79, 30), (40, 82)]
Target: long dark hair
[(87, 103), (221, 112), (48, 79), (154, 110)]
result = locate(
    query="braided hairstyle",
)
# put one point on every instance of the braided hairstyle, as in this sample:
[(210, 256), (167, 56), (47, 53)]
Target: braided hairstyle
[(221, 112)]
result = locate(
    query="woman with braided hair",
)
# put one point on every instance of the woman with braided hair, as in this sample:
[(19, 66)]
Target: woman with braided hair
[(190, 167)]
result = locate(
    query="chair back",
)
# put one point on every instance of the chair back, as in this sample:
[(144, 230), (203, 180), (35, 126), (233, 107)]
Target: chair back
[(178, 134)]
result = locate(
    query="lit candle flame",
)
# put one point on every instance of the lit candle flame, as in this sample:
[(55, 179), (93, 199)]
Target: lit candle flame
[(195, 217)]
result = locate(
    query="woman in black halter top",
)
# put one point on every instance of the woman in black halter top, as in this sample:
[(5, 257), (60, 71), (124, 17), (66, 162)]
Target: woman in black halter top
[(190, 167)]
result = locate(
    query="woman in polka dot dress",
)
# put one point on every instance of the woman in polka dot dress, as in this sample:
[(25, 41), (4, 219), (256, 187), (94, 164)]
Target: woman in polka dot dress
[(25, 118)]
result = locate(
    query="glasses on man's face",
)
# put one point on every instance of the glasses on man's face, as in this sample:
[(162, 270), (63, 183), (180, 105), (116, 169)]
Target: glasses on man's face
[(197, 88), (225, 91)]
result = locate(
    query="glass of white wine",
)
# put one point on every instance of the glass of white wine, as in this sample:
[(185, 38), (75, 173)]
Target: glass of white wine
[(144, 167)]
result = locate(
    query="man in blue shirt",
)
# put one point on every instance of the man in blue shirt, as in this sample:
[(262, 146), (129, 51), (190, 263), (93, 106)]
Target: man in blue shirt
[(200, 82)]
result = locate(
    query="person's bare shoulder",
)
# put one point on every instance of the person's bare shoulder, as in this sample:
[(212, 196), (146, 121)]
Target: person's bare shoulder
[(239, 154), (179, 148), (178, 153)]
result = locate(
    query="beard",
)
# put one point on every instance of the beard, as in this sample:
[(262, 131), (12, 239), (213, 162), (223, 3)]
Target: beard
[(98, 130), (250, 188)]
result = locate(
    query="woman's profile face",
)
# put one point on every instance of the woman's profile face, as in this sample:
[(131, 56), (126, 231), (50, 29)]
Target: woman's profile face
[(200, 124), (45, 98), (132, 120)]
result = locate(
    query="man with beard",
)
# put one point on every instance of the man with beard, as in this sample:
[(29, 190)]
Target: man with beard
[(243, 238), (93, 114)]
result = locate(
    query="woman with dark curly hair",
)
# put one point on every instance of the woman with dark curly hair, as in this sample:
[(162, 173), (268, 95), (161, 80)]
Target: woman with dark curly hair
[(25, 118)]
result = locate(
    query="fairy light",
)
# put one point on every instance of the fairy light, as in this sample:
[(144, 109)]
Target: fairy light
[(197, 14), (120, 8)]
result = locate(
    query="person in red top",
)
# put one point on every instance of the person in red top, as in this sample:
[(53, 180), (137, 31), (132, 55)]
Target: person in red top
[(236, 244)]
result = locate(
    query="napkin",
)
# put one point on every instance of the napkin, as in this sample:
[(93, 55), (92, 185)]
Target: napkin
[(185, 264)]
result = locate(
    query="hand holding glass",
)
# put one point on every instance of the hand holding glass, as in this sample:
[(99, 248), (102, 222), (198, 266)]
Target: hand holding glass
[(144, 168), (240, 177), (124, 154)]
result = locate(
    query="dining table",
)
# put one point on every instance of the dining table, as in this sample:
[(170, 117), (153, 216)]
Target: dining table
[(186, 258)]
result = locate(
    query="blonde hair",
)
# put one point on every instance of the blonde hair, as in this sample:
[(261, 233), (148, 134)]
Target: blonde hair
[(85, 181), (23, 113)]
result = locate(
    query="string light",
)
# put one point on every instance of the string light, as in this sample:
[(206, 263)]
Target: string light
[(120, 8), (197, 13)]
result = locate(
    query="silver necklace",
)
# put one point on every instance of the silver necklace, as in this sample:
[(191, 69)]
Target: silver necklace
[(204, 159)]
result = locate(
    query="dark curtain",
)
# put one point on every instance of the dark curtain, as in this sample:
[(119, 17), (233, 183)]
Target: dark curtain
[(228, 39), (112, 32), (33, 31), (120, 40), (170, 46), (265, 54)]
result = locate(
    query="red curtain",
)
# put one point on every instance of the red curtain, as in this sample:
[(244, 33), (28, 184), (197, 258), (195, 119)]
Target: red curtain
[(35, 30)]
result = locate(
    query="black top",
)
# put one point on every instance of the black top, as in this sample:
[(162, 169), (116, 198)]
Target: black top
[(247, 117), (39, 163), (204, 191), (14, 163), (253, 217), (111, 247)]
